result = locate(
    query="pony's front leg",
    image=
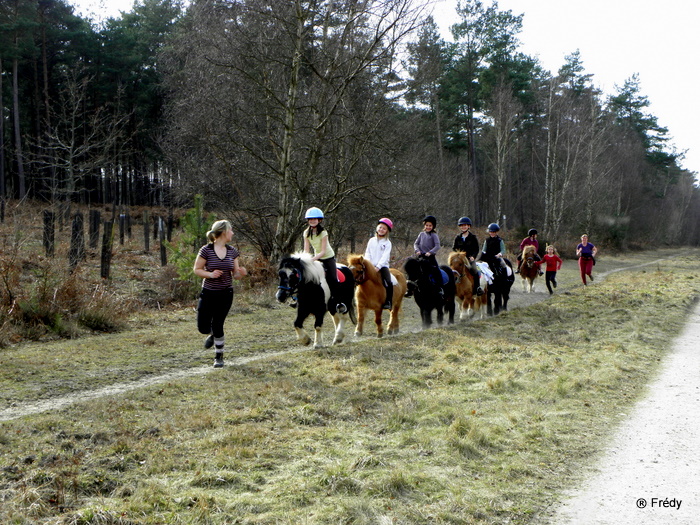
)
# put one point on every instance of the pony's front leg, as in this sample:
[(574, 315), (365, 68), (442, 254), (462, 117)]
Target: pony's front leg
[(524, 284), (318, 330), (440, 315), (360, 319), (339, 322), (302, 336), (378, 322)]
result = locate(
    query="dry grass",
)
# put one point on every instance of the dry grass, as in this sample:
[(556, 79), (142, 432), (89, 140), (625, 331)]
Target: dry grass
[(484, 422)]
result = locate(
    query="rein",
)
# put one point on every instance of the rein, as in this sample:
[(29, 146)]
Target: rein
[(292, 290)]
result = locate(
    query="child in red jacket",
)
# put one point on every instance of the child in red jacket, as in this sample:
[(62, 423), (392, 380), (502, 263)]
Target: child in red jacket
[(553, 262)]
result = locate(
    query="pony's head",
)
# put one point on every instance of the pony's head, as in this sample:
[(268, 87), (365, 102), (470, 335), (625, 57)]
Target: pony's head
[(290, 275), (528, 251), (457, 261), (296, 270), (360, 268)]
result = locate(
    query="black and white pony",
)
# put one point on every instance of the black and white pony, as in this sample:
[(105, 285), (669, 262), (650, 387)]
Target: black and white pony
[(499, 286), (427, 293), (303, 279)]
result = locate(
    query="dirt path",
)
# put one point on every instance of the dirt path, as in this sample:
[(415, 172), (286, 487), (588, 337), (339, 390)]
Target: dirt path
[(410, 323), (649, 472)]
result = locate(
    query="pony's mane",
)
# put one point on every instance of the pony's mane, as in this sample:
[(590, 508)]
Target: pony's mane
[(528, 249), (313, 270), (460, 257)]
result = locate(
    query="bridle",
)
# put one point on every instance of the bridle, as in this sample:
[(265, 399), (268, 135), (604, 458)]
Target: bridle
[(361, 276), (292, 290)]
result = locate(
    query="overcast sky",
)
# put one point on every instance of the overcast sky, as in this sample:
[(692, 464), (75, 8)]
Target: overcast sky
[(616, 38)]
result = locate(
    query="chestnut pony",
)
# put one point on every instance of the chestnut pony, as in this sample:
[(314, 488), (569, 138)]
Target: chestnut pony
[(370, 294), (469, 304), (529, 269)]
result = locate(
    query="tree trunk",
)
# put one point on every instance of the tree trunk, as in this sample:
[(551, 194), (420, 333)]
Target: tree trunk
[(94, 228), (18, 135), (49, 230), (2, 149)]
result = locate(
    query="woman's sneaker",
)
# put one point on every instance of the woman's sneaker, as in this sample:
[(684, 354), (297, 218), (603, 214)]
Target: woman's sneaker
[(209, 341), (219, 360)]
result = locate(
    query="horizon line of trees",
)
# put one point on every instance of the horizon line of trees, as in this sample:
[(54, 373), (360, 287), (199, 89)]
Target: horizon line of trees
[(361, 108)]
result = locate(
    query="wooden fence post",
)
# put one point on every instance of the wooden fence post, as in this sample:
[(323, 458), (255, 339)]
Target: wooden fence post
[(77, 241), (161, 236), (107, 239), (146, 232)]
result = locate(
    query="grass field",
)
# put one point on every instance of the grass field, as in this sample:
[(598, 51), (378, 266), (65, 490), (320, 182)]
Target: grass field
[(483, 422)]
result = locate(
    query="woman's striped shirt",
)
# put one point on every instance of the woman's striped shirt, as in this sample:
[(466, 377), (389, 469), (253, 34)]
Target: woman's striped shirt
[(214, 262)]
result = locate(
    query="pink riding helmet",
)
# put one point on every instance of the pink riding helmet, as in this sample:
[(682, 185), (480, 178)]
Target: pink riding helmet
[(386, 222)]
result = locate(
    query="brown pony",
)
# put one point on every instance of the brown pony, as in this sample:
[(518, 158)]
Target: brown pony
[(529, 269), (370, 294), (468, 303)]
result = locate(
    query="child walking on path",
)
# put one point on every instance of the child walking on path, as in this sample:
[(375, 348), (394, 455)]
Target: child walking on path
[(553, 264), (586, 253), (378, 252), (217, 264)]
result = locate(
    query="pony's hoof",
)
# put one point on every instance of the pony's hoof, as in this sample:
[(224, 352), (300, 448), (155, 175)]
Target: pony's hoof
[(306, 341)]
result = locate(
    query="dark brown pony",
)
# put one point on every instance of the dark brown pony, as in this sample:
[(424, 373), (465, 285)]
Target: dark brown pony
[(468, 303), (529, 269), (370, 294)]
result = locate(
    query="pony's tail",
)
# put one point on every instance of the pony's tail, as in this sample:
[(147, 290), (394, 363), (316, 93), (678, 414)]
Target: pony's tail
[(351, 312)]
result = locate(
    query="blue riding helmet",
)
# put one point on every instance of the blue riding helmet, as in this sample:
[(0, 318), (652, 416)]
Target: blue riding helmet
[(314, 213), (464, 220), (493, 227)]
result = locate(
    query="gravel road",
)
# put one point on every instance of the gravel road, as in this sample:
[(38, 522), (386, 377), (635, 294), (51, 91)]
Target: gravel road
[(650, 472)]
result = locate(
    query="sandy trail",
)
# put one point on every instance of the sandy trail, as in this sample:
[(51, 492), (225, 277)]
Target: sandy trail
[(650, 472)]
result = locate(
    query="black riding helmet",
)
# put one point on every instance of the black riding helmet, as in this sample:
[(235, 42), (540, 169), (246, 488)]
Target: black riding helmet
[(532, 232), (430, 219)]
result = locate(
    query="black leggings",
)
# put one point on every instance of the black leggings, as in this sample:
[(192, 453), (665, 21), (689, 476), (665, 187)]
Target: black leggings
[(212, 309), (331, 270), (551, 279)]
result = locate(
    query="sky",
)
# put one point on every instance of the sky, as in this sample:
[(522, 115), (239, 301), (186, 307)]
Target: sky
[(616, 39)]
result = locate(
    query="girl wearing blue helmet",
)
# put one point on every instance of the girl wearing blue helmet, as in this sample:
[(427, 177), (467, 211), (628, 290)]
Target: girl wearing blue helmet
[(493, 249), (316, 238)]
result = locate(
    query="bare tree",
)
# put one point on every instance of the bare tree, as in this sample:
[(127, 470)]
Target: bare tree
[(503, 110), (288, 103), (80, 140)]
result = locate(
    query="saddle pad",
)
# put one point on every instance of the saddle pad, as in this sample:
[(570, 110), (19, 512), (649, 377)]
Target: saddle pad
[(485, 271), (394, 281), (445, 277), (341, 275)]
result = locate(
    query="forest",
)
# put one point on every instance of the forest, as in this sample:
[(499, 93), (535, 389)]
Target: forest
[(266, 108)]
